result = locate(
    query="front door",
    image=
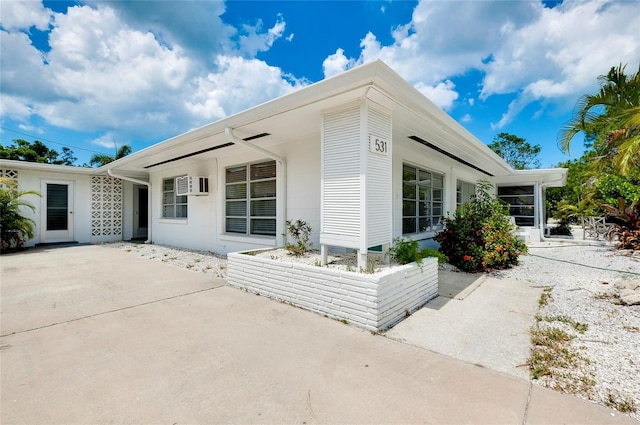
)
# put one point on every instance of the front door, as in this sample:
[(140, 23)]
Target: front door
[(140, 212), (57, 211)]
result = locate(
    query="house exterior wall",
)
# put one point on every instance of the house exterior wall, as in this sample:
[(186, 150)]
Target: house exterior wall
[(197, 230), (80, 205), (409, 152), (203, 229)]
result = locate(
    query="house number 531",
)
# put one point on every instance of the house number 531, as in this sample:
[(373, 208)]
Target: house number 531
[(377, 145)]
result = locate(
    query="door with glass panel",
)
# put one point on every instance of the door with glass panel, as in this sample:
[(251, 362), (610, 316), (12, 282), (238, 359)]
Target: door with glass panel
[(57, 211)]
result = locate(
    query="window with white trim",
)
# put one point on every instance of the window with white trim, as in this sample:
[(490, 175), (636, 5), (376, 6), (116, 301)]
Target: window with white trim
[(521, 200), (465, 191), (173, 206), (250, 199), (422, 196)]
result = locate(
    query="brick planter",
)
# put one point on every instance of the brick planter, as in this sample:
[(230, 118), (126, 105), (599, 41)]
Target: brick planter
[(372, 301)]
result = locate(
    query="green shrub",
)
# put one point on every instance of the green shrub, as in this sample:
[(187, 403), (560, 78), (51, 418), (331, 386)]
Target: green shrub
[(300, 232), (405, 251), (15, 228), (479, 236)]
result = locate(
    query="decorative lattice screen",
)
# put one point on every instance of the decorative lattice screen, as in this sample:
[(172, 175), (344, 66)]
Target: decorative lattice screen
[(9, 174), (106, 207)]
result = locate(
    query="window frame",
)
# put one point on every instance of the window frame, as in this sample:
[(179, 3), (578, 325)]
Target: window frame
[(253, 185), (463, 196), (433, 202), (175, 202), (520, 206)]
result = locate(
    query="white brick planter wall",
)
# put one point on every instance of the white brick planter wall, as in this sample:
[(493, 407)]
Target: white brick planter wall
[(373, 301)]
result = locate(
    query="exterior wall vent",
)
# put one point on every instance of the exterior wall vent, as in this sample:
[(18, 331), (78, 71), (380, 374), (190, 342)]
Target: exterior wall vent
[(192, 186)]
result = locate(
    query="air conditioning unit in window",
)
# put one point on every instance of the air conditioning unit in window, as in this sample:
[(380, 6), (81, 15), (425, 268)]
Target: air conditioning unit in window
[(192, 186)]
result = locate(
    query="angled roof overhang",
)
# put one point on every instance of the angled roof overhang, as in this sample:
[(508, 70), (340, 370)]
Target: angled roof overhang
[(298, 115)]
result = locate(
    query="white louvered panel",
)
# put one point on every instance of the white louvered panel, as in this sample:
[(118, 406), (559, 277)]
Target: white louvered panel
[(379, 193), (341, 172)]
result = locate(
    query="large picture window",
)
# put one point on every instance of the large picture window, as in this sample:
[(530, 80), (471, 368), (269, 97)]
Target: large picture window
[(250, 207), (422, 193), (521, 200), (173, 206)]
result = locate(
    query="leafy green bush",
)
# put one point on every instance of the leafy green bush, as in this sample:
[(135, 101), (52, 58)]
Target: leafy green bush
[(405, 251), (300, 231), (479, 236), (15, 229), (610, 187)]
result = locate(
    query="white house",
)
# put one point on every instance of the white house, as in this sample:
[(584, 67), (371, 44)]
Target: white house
[(363, 157)]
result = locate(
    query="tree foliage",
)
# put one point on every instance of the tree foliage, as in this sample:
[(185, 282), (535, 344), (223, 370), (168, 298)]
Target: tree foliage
[(101, 159), (23, 150), (610, 121), (516, 151), (15, 228)]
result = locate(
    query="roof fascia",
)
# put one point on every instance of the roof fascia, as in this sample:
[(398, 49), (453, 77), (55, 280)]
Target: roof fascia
[(5, 163), (353, 79), (412, 99)]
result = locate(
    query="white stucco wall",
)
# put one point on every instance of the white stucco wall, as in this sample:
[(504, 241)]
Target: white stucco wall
[(204, 227), (197, 230), (80, 205)]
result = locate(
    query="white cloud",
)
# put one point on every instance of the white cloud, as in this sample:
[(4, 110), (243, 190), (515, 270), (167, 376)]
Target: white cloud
[(337, 63), (14, 108), (442, 94), (255, 40), (195, 25), (102, 73), (523, 48), (110, 76), (22, 67), (239, 84), (24, 14), (466, 118), (559, 56), (107, 141)]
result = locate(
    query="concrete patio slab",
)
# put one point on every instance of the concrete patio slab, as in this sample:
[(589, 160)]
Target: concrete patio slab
[(152, 343), (499, 341)]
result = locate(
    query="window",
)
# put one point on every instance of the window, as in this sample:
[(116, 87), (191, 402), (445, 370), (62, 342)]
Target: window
[(521, 200), (173, 206), (464, 192), (250, 207), (422, 193)]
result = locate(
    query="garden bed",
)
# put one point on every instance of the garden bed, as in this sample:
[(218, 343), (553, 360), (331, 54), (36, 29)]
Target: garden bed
[(375, 301)]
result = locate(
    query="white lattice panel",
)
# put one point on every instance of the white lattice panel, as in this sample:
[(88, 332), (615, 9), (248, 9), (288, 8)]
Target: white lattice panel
[(106, 206), (9, 174)]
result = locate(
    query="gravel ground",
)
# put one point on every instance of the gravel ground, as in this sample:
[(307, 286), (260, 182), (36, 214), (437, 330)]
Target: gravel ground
[(582, 290), (197, 261)]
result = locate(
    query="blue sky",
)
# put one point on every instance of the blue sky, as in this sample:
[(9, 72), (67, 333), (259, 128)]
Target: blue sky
[(97, 74)]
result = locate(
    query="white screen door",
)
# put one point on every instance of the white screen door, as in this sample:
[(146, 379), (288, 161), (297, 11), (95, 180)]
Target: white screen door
[(57, 211)]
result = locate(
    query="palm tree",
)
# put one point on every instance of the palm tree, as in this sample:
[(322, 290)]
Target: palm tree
[(100, 159), (610, 121), (15, 228)]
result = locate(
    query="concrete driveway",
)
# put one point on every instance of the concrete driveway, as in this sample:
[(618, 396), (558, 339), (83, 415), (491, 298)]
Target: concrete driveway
[(92, 334)]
